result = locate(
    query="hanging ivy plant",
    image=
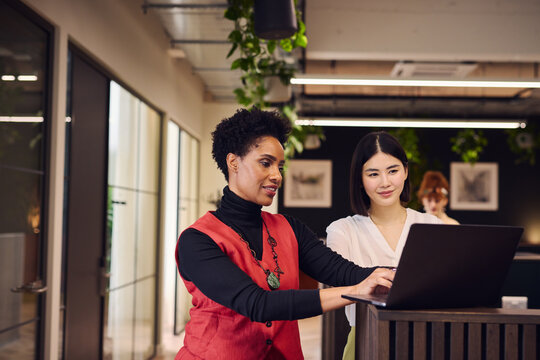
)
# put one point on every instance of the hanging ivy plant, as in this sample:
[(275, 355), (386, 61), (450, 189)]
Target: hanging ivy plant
[(258, 59), (469, 144), (524, 143)]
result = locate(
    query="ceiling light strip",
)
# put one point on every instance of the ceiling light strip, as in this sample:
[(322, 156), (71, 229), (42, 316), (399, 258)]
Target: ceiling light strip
[(21, 119), (414, 123), (26, 119), (352, 81)]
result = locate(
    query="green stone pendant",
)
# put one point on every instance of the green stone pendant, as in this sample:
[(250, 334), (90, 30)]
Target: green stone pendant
[(272, 281)]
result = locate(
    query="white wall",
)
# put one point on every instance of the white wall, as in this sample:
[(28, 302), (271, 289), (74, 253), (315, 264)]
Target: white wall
[(132, 46), (458, 30), (211, 178)]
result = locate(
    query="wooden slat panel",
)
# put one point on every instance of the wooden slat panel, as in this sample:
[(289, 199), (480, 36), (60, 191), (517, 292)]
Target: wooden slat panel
[(437, 340), (383, 346), (361, 349), (474, 343), (492, 342), (402, 340), (456, 341), (373, 334), (530, 348), (511, 342), (419, 342)]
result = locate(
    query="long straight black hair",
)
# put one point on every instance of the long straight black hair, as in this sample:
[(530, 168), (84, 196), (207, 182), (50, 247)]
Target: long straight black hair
[(368, 146)]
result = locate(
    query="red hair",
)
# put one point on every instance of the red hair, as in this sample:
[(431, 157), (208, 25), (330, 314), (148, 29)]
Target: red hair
[(434, 186)]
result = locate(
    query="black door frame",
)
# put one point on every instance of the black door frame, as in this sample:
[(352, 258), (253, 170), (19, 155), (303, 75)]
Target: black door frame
[(86, 206)]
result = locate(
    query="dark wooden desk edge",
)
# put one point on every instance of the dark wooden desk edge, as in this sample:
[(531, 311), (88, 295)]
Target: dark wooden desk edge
[(480, 315)]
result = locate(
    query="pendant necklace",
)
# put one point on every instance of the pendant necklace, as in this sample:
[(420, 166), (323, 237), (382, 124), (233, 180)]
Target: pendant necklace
[(272, 277)]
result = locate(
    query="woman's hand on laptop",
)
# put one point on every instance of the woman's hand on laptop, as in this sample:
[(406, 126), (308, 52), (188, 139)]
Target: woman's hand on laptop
[(379, 282)]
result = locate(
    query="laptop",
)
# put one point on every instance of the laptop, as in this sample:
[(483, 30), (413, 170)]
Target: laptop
[(449, 266)]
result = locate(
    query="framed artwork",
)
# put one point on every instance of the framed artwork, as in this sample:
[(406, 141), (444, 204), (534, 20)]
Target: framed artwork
[(474, 187), (308, 183)]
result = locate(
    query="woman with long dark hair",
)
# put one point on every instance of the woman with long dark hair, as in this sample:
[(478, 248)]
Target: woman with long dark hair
[(379, 192)]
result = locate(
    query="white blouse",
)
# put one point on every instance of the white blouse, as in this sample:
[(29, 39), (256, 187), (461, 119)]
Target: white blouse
[(358, 239)]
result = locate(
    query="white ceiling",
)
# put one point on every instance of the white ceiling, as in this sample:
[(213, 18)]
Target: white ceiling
[(373, 37)]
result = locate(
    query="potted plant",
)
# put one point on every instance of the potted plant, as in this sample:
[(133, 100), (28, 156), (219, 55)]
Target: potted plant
[(261, 64), (524, 143), (469, 143)]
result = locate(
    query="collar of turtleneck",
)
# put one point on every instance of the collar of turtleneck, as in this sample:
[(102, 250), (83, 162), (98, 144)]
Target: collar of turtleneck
[(243, 216), (233, 206)]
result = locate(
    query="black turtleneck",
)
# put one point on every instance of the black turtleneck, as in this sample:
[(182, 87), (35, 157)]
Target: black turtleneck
[(201, 261)]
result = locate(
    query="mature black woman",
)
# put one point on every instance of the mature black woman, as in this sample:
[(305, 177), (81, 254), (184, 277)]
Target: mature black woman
[(241, 264)]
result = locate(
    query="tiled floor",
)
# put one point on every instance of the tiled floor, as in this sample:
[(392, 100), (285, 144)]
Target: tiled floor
[(310, 337)]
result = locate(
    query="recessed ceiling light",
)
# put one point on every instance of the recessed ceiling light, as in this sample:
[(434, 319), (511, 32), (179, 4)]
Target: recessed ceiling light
[(22, 57), (5, 52), (21, 119), (8, 77), (27, 78)]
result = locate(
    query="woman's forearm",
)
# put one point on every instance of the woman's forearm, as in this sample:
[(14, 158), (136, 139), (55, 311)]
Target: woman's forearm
[(331, 297), (379, 281)]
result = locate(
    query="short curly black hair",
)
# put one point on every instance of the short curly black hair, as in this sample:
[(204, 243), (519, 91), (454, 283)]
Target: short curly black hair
[(238, 133)]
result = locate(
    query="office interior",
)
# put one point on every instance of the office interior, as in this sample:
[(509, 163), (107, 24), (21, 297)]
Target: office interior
[(106, 111)]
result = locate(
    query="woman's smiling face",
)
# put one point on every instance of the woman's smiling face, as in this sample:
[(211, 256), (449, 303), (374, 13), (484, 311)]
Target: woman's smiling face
[(383, 176), (257, 175)]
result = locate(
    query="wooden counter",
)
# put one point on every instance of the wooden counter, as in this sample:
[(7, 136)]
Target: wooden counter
[(481, 333)]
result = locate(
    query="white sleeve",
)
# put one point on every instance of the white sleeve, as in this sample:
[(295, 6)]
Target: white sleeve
[(337, 238)]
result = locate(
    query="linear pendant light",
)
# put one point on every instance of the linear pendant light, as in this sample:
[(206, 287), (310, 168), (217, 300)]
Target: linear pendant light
[(390, 81), (413, 123), (25, 119)]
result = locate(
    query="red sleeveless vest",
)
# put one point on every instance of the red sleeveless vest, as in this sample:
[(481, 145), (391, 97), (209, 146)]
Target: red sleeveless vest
[(217, 332)]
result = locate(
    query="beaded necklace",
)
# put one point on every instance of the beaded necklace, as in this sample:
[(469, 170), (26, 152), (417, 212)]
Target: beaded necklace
[(272, 278)]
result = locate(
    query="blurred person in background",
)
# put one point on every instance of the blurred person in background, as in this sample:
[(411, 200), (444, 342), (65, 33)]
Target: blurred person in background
[(433, 194)]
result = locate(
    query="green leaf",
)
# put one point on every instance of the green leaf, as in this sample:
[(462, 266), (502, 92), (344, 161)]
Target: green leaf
[(233, 49), (244, 101), (301, 27), (235, 36), (245, 62), (271, 46), (298, 146), (239, 92), (263, 63), (286, 44), (231, 13), (300, 41), (236, 63)]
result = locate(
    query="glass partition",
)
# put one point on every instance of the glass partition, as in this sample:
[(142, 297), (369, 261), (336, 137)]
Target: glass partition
[(132, 227), (181, 210), (188, 213), (24, 88)]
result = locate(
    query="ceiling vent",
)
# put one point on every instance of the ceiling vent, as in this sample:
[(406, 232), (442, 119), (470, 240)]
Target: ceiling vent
[(432, 69)]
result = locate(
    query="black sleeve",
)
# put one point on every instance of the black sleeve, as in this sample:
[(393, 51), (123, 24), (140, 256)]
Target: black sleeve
[(201, 261), (322, 263)]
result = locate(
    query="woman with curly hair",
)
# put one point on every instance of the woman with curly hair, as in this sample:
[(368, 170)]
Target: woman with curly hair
[(433, 194), (242, 264)]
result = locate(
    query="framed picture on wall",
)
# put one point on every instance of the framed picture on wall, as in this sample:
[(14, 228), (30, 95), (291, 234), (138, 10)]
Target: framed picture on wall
[(308, 183), (474, 187)]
